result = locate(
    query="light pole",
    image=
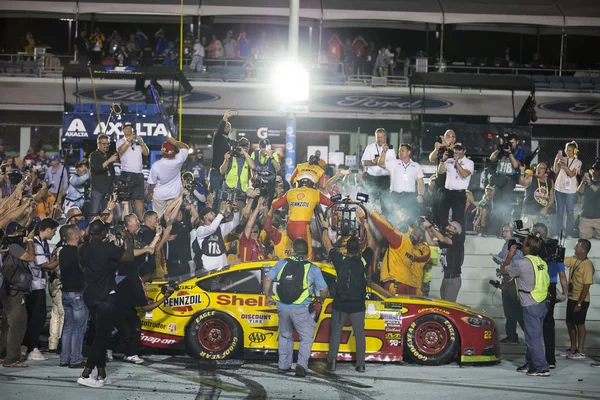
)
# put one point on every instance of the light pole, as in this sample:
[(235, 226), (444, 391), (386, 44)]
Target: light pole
[(290, 129)]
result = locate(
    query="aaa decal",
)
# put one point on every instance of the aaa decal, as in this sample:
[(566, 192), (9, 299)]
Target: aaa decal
[(259, 337)]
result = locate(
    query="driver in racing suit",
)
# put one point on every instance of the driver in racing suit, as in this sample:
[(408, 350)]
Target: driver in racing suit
[(302, 202), (311, 168)]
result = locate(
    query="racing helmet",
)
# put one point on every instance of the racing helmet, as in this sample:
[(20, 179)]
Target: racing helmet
[(313, 160), (305, 180)]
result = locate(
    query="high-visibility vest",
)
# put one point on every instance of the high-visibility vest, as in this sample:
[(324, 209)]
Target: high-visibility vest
[(542, 279), (236, 177)]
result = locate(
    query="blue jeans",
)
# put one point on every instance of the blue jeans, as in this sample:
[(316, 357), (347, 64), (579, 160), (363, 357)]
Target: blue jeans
[(76, 316), (533, 319), (98, 202), (565, 201)]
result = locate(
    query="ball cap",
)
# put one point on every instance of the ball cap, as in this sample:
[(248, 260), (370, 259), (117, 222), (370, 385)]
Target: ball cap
[(459, 146), (456, 225), (168, 150), (125, 124), (55, 158)]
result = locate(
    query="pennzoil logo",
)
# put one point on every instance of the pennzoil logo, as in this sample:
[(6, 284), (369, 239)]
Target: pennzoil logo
[(183, 301), (303, 204)]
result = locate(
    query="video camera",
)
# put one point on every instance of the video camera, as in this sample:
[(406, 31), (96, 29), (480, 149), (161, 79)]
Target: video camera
[(117, 232), (236, 147), (230, 195), (165, 287), (262, 183), (552, 249), (121, 188), (345, 217)]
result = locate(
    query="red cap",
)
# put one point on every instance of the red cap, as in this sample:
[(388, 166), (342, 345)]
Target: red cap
[(168, 150)]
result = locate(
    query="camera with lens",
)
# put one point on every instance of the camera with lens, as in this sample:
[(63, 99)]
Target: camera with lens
[(229, 195), (345, 214), (236, 148), (551, 250), (121, 188), (262, 183), (313, 160), (117, 233), (189, 182), (166, 286)]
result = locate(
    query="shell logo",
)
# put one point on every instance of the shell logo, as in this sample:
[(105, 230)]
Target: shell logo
[(300, 196), (172, 327)]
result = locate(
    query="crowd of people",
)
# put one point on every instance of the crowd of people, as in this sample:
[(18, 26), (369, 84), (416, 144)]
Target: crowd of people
[(134, 230)]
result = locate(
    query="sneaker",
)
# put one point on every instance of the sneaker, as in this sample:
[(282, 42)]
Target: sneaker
[(17, 364), (35, 355), (134, 359), (508, 340), (63, 364), (90, 382), (538, 373), (23, 352), (567, 353), (577, 356), (595, 365), (78, 365), (300, 371), (552, 366), (524, 369), (283, 370), (109, 356), (105, 381)]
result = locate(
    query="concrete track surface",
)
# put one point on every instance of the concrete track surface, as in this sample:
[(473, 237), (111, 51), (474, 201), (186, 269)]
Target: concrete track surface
[(167, 377)]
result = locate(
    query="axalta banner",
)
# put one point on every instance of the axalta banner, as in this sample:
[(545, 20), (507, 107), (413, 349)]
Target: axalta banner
[(79, 127)]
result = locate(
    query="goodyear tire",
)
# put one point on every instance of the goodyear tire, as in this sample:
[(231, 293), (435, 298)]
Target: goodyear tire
[(432, 340), (213, 335)]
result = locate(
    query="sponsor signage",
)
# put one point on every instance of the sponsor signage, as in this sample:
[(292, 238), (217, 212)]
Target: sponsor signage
[(154, 339), (290, 149), (578, 107), (80, 127), (382, 102), (137, 97)]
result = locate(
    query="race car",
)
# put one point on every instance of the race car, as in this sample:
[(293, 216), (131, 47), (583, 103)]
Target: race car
[(223, 314)]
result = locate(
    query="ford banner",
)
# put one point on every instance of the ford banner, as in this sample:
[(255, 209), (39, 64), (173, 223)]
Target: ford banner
[(80, 127)]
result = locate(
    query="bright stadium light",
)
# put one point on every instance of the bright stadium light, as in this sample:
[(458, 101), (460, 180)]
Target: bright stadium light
[(290, 83)]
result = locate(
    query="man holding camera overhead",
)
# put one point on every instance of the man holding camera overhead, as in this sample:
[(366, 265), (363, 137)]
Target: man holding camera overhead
[(458, 170), (131, 148), (102, 168), (220, 146), (377, 178), (165, 174), (237, 165), (509, 155)]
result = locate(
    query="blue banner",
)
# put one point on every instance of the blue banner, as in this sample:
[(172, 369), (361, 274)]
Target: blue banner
[(290, 148), (80, 127)]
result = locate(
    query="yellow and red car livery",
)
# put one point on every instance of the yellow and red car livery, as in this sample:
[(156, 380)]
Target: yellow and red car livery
[(223, 314)]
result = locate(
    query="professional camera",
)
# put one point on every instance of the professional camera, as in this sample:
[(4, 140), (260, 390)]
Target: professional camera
[(230, 195), (552, 250), (262, 183), (313, 160), (188, 182), (166, 286), (237, 146), (121, 188), (117, 232), (345, 217)]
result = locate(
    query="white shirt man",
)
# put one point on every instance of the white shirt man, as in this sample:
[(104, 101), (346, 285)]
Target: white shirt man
[(165, 174), (210, 236), (458, 176), (378, 178)]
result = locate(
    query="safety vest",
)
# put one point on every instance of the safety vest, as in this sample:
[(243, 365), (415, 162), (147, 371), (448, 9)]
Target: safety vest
[(237, 179), (542, 279), (305, 284), (263, 164)]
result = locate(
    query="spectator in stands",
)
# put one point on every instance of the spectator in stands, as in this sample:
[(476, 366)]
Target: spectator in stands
[(484, 217), (82, 48), (57, 179), (347, 56), (581, 277), (458, 170), (210, 235), (230, 45), (215, 48), (401, 62), (75, 191), (29, 43), (334, 51), (41, 164), (131, 165), (7, 187), (567, 168), (244, 45), (382, 62), (171, 54), (359, 50), (132, 50), (198, 57), (30, 157), (161, 42), (165, 174), (97, 46), (539, 195), (377, 178), (140, 39), (510, 156), (589, 221), (237, 166), (2, 153), (371, 57)]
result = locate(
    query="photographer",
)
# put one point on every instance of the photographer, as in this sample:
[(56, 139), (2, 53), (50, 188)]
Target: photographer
[(210, 235), (102, 166), (510, 298), (267, 166), (131, 148), (237, 166), (15, 269), (36, 300), (99, 260), (57, 179), (377, 178), (532, 280), (75, 191), (165, 174), (131, 295), (220, 146), (8, 180), (136, 245), (458, 170), (178, 250), (350, 294), (566, 170), (589, 221), (556, 271), (435, 157), (451, 256), (510, 156), (539, 195)]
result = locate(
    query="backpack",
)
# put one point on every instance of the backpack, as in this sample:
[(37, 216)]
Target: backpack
[(291, 281), (351, 279), (16, 273)]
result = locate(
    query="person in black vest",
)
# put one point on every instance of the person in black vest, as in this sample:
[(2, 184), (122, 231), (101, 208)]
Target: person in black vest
[(349, 296), (131, 294), (220, 146)]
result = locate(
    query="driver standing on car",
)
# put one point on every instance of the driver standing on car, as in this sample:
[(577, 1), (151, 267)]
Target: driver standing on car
[(295, 275)]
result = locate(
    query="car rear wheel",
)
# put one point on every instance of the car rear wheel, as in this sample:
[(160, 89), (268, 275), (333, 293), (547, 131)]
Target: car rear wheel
[(432, 340), (213, 335)]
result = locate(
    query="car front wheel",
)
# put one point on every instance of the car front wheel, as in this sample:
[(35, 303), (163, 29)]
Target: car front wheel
[(213, 335), (432, 340)]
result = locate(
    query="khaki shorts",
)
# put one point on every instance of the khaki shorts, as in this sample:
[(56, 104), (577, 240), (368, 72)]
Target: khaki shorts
[(589, 228)]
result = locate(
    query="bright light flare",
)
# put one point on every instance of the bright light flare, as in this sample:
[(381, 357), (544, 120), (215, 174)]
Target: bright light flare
[(290, 83)]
